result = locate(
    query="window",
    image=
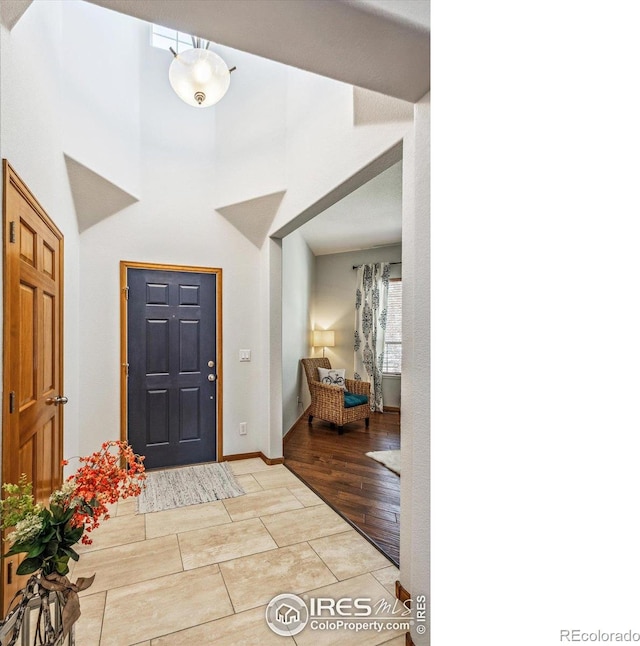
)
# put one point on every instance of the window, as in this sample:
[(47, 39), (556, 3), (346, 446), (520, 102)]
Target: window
[(163, 38), (392, 364)]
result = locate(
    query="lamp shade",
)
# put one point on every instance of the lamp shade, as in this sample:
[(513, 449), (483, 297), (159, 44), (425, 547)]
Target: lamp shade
[(199, 77), (324, 338)]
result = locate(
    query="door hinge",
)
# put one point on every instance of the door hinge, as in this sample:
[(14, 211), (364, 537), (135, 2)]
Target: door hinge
[(12, 231), (126, 293), (126, 368), (12, 401)]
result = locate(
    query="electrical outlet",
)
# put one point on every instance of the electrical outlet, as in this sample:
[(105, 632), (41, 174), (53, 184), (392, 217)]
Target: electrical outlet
[(243, 428)]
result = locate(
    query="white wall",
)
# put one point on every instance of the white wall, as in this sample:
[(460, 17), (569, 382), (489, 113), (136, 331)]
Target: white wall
[(175, 223), (298, 283), (31, 112), (190, 161), (334, 306), (100, 57), (323, 145), (415, 546), (277, 128), (250, 129)]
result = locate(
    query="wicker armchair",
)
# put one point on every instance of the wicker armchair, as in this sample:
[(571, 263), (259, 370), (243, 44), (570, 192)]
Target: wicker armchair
[(327, 402)]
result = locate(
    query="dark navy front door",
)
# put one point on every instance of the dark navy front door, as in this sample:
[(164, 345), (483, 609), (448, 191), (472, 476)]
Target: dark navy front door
[(172, 387)]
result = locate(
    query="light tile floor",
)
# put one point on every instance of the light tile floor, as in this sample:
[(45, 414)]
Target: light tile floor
[(204, 574)]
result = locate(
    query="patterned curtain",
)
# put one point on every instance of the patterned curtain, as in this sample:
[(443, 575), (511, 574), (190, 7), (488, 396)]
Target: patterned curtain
[(371, 321)]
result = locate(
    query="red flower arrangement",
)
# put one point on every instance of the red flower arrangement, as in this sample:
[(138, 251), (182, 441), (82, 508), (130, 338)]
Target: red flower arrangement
[(102, 480), (46, 535)]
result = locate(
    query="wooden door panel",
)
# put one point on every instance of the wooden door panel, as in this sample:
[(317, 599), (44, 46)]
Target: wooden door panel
[(44, 465), (27, 244), (48, 381), (27, 345), (32, 425), (48, 261), (26, 458)]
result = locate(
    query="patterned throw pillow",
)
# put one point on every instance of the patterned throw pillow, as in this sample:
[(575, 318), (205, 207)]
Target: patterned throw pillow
[(332, 377)]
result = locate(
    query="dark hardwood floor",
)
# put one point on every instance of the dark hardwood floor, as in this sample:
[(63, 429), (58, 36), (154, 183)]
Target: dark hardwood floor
[(359, 488)]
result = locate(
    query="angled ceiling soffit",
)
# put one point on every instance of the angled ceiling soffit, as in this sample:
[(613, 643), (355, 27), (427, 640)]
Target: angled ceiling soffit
[(11, 11), (95, 197), (371, 108), (253, 218)]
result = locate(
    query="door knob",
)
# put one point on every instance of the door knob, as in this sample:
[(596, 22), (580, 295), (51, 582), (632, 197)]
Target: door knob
[(58, 399), (211, 377)]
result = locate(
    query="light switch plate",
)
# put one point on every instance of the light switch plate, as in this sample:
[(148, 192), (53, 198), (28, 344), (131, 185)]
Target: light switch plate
[(245, 355)]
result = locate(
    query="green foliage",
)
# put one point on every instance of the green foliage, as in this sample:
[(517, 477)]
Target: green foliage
[(50, 534), (47, 535), (18, 502)]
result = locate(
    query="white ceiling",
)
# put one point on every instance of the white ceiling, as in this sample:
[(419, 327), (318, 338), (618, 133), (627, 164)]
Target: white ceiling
[(415, 11), (362, 44), (369, 217)]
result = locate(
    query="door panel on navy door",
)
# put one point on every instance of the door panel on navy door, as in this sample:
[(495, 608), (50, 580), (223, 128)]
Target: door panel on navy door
[(171, 335)]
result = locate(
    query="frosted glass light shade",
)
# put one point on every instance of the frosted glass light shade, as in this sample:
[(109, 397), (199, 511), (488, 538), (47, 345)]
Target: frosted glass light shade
[(199, 77), (324, 338)]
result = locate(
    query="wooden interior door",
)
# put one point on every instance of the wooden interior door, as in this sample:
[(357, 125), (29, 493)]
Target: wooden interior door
[(32, 433)]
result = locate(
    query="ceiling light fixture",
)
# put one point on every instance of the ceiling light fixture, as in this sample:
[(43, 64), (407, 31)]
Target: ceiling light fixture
[(199, 76)]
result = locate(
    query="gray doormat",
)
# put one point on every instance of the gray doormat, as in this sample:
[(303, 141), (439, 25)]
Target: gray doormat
[(171, 488)]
